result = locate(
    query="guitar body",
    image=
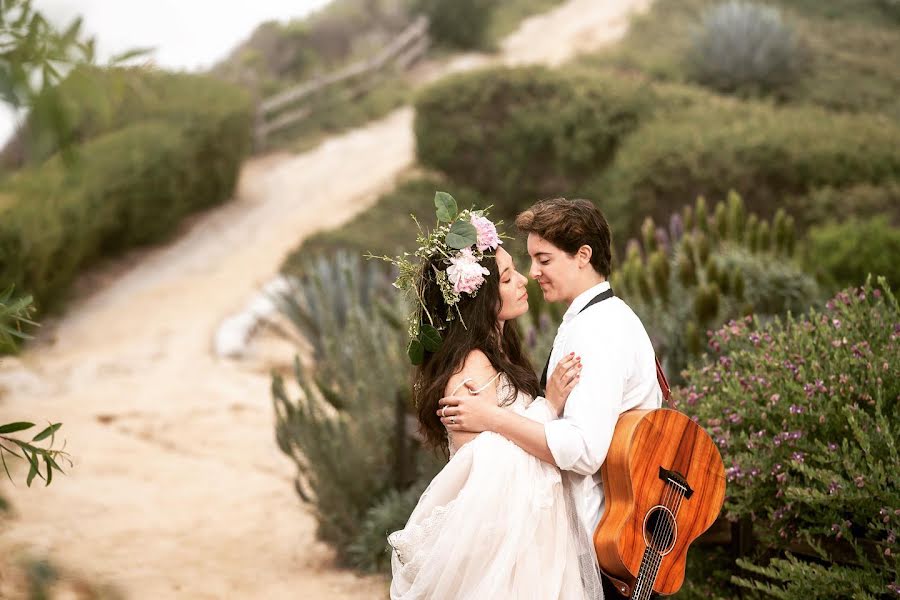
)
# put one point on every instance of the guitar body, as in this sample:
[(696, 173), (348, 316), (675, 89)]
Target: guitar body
[(664, 484)]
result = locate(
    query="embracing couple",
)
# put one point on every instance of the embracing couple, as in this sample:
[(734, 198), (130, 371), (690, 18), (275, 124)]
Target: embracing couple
[(512, 514)]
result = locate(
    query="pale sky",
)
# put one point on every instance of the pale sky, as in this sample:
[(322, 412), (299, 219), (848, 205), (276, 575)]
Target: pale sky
[(187, 34)]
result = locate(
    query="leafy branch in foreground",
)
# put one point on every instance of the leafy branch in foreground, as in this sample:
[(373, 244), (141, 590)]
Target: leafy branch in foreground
[(14, 313), (35, 455)]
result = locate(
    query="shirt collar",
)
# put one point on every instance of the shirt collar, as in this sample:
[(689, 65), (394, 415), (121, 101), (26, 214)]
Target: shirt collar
[(583, 298)]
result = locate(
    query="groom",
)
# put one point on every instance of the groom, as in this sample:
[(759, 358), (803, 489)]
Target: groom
[(570, 249)]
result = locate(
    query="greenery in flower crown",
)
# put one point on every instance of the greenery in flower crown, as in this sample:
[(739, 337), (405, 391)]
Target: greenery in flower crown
[(462, 239)]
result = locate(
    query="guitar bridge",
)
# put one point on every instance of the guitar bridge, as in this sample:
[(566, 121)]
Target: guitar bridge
[(676, 480)]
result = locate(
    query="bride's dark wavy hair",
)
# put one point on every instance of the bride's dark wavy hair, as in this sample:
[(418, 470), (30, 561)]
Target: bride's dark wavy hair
[(480, 332)]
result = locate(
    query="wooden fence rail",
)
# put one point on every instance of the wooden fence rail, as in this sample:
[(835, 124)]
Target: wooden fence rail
[(292, 106)]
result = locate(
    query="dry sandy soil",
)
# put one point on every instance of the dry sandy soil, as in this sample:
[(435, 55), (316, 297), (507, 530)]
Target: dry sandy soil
[(178, 489)]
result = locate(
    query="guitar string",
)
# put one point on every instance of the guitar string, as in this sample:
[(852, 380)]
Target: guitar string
[(666, 537), (658, 533), (648, 557), (658, 562), (671, 532), (641, 590)]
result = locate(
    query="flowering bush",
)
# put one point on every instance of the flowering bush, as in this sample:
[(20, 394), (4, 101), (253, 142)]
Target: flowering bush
[(805, 413)]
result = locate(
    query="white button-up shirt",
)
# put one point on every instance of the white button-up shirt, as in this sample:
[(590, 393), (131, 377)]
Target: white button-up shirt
[(619, 374)]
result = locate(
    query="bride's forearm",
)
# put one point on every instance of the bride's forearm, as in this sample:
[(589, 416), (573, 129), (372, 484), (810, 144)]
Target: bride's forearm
[(525, 433)]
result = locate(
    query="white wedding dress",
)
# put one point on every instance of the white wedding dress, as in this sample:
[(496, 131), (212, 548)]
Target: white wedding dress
[(495, 523)]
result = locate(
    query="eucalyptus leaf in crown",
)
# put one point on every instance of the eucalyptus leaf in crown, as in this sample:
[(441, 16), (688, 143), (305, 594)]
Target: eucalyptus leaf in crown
[(461, 239)]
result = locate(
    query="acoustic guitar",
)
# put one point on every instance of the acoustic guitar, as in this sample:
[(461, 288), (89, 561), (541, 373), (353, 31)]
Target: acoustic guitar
[(664, 484)]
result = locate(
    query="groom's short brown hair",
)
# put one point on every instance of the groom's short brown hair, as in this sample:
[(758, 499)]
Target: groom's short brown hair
[(569, 225)]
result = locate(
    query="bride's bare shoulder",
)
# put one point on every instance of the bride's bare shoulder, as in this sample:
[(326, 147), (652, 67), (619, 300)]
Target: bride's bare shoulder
[(476, 367)]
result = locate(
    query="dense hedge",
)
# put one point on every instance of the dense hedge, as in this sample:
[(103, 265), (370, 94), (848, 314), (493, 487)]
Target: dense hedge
[(127, 187), (92, 102), (518, 134), (765, 153)]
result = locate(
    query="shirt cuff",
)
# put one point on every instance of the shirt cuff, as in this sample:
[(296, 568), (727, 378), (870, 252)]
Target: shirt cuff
[(565, 450)]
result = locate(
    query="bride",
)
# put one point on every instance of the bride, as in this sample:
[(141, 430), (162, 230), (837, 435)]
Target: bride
[(496, 522)]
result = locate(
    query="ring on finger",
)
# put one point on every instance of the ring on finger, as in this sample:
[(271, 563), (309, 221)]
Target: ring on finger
[(453, 420)]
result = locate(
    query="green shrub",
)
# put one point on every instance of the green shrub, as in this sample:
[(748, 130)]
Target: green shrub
[(94, 102), (370, 550), (128, 187), (846, 252), (832, 203), (766, 153), (459, 23), (746, 48), (805, 414), (518, 134)]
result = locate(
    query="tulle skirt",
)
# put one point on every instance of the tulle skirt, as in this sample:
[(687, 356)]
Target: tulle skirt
[(493, 524)]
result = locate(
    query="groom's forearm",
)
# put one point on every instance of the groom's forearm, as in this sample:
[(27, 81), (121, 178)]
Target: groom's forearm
[(525, 433)]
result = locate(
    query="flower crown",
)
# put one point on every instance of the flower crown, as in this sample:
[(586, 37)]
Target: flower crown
[(461, 240)]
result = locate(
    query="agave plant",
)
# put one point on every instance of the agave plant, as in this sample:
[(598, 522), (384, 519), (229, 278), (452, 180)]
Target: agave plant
[(344, 422)]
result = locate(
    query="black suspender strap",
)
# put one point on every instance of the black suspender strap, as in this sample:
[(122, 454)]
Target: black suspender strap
[(604, 295)]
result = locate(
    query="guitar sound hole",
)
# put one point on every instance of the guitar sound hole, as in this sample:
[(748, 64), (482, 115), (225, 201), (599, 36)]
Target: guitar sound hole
[(660, 529)]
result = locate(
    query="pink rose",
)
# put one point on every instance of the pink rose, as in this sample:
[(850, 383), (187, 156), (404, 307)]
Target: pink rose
[(465, 273), (486, 233)]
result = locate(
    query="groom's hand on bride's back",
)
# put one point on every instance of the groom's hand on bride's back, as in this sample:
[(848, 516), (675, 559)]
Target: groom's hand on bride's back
[(564, 379)]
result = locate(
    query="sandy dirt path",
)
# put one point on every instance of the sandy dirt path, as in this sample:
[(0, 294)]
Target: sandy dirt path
[(178, 490)]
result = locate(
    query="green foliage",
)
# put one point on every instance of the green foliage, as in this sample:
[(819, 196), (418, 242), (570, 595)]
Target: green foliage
[(370, 550), (706, 269), (35, 57), (804, 412), (35, 54), (746, 48), (523, 133), (127, 187), (38, 458), (341, 427), (94, 102), (459, 23), (509, 14), (835, 204), (767, 153), (15, 316), (845, 252)]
